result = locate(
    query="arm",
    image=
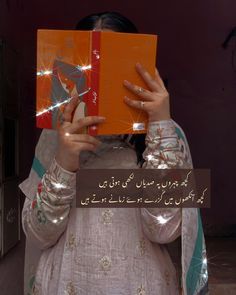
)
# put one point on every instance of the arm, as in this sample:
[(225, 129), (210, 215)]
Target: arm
[(45, 217), (164, 151)]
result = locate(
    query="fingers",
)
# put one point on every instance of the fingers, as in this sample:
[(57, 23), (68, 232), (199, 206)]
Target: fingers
[(135, 103), (83, 138), (86, 147), (141, 92), (84, 122), (69, 109), (153, 84)]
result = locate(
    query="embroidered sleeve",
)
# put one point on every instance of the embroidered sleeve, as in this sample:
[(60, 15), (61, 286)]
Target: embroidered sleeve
[(165, 149), (45, 218)]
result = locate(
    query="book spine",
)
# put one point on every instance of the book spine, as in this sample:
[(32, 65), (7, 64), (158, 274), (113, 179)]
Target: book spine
[(93, 95)]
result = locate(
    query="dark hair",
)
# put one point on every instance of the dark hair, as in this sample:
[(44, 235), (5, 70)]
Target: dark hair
[(116, 22), (107, 20)]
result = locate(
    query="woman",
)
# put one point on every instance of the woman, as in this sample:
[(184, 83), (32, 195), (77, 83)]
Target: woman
[(113, 251)]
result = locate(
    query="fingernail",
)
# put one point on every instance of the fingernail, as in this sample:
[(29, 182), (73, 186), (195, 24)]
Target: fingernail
[(102, 118), (126, 82), (126, 97), (138, 65)]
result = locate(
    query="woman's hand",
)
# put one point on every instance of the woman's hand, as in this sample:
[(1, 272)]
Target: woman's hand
[(154, 100), (71, 142)]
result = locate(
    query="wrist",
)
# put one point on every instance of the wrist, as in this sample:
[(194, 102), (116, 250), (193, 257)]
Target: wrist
[(58, 186), (66, 166), (159, 118), (160, 129)]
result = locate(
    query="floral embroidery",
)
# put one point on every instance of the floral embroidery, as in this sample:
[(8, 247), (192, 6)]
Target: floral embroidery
[(71, 242), (159, 131), (141, 291), (35, 291), (107, 216), (34, 204), (141, 247), (40, 188), (70, 289), (41, 217), (166, 153), (105, 263), (167, 277)]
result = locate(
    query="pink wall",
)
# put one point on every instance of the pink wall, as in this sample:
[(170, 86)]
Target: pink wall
[(201, 78)]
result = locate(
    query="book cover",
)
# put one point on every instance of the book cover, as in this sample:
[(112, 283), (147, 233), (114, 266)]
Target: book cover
[(93, 66)]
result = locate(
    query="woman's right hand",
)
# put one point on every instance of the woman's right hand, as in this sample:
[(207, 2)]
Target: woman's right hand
[(71, 142)]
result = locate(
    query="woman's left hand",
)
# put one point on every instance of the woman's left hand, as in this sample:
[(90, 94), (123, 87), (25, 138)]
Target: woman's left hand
[(154, 100)]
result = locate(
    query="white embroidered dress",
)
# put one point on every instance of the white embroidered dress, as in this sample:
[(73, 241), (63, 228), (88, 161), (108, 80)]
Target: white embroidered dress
[(101, 251)]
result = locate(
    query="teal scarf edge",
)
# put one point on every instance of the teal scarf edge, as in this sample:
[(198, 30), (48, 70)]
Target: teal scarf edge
[(194, 271), (38, 167), (180, 134)]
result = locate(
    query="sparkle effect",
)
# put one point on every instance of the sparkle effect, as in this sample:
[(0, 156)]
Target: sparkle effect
[(57, 220), (60, 103), (161, 219), (58, 185), (49, 72), (150, 157), (44, 73), (84, 68), (138, 126)]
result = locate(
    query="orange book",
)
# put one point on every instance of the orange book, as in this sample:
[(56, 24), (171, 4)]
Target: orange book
[(93, 66)]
